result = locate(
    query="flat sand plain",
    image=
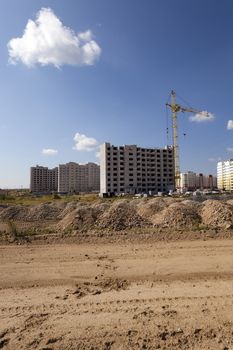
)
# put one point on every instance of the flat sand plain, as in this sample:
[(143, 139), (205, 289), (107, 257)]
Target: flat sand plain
[(158, 295)]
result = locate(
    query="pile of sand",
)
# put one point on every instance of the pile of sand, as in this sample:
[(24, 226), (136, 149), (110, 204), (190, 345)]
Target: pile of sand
[(3, 206), (124, 214), (69, 207), (229, 201), (177, 215), (121, 215), (216, 213), (147, 208), (191, 203), (83, 218), (14, 212), (45, 211)]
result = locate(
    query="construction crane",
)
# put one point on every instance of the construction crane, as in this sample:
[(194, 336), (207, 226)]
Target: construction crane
[(176, 108)]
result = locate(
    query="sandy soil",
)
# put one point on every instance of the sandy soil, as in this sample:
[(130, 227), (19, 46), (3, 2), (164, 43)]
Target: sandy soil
[(176, 295)]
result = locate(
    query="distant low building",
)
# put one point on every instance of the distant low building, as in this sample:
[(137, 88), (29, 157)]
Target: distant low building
[(225, 175), (191, 181), (43, 179)]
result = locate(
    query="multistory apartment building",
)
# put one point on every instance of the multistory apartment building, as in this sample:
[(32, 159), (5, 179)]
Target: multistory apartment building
[(93, 171), (225, 175), (74, 177), (190, 181), (43, 180), (132, 169)]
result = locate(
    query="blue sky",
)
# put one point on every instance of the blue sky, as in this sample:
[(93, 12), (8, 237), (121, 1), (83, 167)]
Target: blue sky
[(114, 88)]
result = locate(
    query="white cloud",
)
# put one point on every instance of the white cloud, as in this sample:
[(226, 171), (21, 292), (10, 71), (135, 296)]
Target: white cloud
[(86, 36), (230, 149), (85, 143), (230, 125), (47, 41), (203, 116), (97, 155), (49, 151), (218, 159)]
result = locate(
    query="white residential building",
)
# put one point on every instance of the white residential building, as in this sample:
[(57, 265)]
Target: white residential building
[(74, 177), (225, 175), (43, 180), (132, 169)]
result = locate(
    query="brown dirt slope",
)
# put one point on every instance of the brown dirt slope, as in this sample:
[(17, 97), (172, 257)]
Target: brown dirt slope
[(120, 216), (216, 213)]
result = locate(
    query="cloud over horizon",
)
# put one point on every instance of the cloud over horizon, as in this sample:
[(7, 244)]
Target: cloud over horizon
[(203, 116), (85, 143), (218, 159), (49, 151), (230, 125), (46, 41)]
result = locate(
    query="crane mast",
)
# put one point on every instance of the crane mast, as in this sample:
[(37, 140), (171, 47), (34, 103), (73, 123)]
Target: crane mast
[(175, 108), (175, 139)]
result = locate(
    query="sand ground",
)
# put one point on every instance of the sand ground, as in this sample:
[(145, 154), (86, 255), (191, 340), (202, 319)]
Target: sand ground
[(174, 295)]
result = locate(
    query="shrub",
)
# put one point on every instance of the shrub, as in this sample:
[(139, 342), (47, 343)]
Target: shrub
[(12, 229)]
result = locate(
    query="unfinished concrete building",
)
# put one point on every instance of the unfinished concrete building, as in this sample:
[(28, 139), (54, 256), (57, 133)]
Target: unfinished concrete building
[(132, 169)]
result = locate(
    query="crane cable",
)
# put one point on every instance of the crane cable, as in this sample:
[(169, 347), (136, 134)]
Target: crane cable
[(188, 105), (184, 101)]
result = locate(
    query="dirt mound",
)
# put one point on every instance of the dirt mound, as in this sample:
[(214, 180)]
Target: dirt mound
[(69, 207), (229, 201), (121, 216), (43, 211), (150, 207), (3, 206), (14, 212), (177, 215), (83, 218), (216, 213), (190, 203)]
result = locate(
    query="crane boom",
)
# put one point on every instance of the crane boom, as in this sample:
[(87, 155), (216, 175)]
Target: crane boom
[(175, 108)]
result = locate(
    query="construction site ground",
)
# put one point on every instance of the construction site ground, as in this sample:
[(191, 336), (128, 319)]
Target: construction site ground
[(157, 295), (124, 274)]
